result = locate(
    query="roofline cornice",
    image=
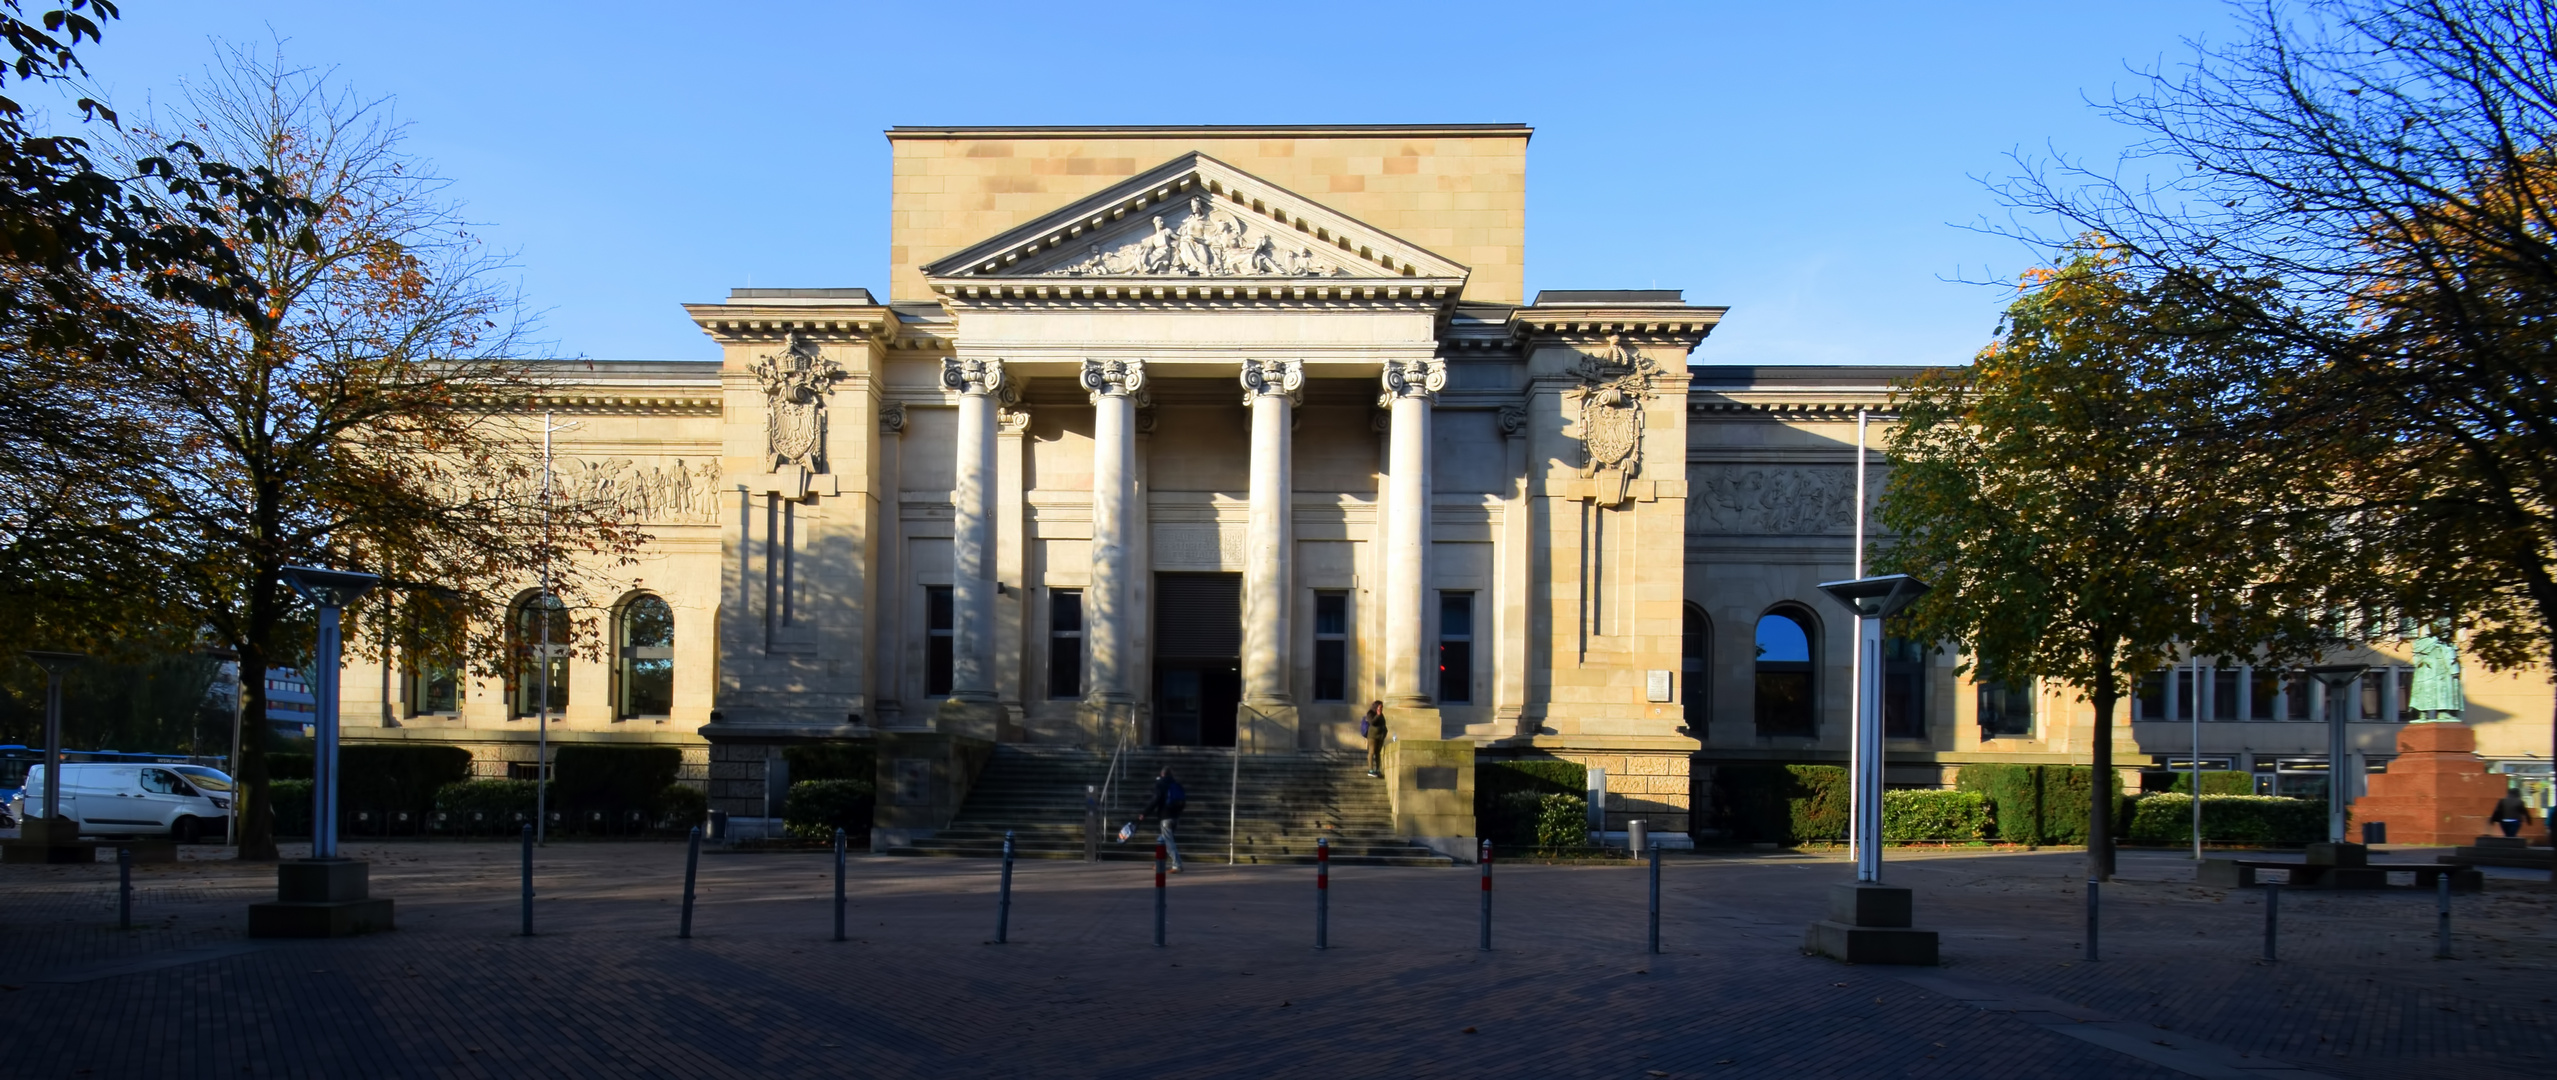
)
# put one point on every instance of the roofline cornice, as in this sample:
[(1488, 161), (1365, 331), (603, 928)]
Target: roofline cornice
[(1229, 131), (846, 324)]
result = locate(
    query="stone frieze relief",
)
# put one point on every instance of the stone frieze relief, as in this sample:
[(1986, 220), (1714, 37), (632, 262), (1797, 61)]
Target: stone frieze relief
[(1774, 499)]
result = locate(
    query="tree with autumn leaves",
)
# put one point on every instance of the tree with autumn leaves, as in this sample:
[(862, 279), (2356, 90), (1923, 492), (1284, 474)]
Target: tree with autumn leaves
[(340, 384), (2071, 500)]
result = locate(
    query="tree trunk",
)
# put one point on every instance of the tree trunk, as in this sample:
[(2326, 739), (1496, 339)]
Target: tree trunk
[(256, 805), (2099, 812)]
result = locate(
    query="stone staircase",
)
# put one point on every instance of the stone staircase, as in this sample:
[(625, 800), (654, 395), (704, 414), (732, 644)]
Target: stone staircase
[(1283, 802)]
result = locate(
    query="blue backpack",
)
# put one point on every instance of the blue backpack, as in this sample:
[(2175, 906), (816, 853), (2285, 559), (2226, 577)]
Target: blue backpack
[(1172, 793)]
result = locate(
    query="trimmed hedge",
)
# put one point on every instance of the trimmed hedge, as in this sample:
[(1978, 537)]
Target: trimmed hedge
[(614, 781), (2167, 818), (2060, 812), (390, 779), (816, 808), (833, 761), (682, 806), (1509, 795), (1785, 804), (1958, 816), (280, 766), (2216, 782), (1562, 821), (292, 802), (493, 807)]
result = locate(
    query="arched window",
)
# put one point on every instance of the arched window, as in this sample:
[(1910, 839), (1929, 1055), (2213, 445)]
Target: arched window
[(1694, 644), (541, 655), (645, 658), (1785, 684)]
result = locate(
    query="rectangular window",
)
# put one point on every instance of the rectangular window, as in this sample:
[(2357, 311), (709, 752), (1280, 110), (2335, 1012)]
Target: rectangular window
[(2298, 700), (1065, 643), (1331, 646), (2405, 690), (2152, 696), (940, 634), (434, 687), (2372, 695), (2185, 701), (2006, 710), (1456, 648), (2224, 693), (2264, 690)]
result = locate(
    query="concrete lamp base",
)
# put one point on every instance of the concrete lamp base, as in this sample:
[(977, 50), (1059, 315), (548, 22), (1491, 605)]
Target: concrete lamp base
[(320, 898), (48, 841), (1868, 923)]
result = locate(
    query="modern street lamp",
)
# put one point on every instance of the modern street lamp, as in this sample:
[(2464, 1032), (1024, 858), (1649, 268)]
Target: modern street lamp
[(331, 591), (55, 665), (2339, 680), (1872, 599)]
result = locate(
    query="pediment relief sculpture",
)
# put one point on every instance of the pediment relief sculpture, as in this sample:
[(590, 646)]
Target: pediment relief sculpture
[(1201, 239), (1195, 217), (796, 381), (1614, 384)]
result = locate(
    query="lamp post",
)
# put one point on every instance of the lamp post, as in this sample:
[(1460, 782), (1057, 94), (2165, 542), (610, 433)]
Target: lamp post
[(330, 591), (1872, 599), (2338, 680), (55, 665)]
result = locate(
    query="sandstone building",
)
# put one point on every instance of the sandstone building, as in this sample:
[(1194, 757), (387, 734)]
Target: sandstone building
[(1210, 436)]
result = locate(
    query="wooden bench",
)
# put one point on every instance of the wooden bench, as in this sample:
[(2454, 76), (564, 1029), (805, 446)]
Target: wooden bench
[(2241, 874)]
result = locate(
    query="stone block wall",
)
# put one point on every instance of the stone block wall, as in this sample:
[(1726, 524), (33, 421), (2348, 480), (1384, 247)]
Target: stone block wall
[(1653, 787)]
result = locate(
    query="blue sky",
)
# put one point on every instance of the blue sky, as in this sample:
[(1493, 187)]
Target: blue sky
[(1809, 165)]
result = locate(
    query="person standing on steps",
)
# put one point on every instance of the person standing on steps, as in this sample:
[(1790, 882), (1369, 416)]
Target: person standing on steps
[(2509, 812), (1372, 725), (1171, 800)]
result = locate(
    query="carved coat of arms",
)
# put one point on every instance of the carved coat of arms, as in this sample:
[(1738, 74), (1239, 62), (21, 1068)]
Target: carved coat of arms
[(796, 381), (1613, 386)]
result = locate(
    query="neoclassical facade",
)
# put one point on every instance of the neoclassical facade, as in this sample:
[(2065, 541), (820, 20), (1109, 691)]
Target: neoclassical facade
[(1211, 436)]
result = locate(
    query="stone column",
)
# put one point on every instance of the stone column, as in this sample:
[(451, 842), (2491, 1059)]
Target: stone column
[(1116, 388), (971, 708), (1409, 387), (1271, 389), (888, 655)]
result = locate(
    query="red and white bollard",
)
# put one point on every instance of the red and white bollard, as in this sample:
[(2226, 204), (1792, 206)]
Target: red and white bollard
[(1487, 895), (1158, 893), (1322, 891)]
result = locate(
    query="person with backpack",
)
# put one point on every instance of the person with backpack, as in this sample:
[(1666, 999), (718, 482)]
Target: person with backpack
[(2510, 812), (1171, 800), (1372, 725)]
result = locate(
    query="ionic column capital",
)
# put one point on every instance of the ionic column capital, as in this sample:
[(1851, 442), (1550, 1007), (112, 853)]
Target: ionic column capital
[(1115, 378), (1278, 378), (979, 376), (1412, 379)]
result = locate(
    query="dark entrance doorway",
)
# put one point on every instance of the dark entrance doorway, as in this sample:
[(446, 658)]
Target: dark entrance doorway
[(1198, 658)]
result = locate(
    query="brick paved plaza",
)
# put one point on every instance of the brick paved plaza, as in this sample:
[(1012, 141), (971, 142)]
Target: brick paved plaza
[(606, 989)]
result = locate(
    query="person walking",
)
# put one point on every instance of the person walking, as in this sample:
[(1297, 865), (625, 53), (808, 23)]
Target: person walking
[(2510, 812), (1171, 800), (1372, 725)]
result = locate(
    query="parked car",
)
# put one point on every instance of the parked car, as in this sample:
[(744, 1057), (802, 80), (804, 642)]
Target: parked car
[(182, 802)]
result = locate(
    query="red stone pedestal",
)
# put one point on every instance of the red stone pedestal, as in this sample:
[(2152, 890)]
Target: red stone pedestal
[(2437, 793)]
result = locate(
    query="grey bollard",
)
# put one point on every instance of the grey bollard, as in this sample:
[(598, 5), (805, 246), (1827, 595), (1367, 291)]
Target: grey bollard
[(2272, 919), (839, 838), (2441, 910), (1091, 823), (1487, 895), (1003, 895), (692, 867), (528, 881), (1322, 892), (124, 888), (2092, 886), (1637, 837), (1655, 898)]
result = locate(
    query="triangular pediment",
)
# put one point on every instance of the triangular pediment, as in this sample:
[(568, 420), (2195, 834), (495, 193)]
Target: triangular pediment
[(1193, 218)]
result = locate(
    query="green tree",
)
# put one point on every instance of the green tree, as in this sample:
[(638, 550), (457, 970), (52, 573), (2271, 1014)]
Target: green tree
[(2073, 502)]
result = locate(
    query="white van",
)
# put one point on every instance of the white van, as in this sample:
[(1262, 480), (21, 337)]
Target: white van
[(182, 802)]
